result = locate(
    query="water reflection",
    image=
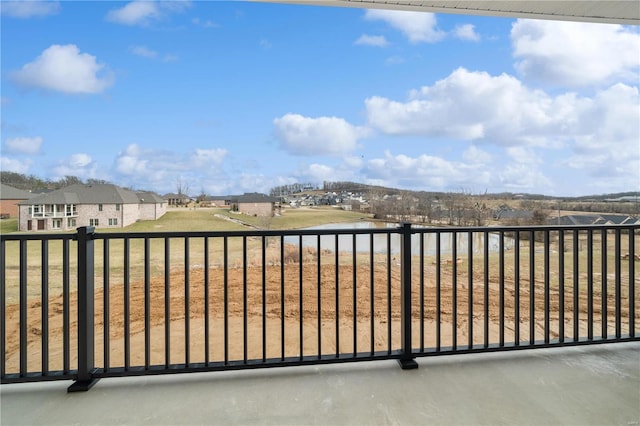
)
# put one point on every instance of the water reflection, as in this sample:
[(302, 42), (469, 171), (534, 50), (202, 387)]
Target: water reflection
[(380, 241)]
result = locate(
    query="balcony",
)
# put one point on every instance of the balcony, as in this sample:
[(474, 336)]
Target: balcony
[(118, 305)]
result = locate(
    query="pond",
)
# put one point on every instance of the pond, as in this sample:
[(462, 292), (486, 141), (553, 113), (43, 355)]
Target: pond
[(363, 241)]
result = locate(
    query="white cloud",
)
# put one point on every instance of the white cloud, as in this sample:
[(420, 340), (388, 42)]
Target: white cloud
[(152, 168), (475, 155), (29, 8), (139, 12), (466, 32), (65, 69), (371, 40), (144, 12), (418, 27), (8, 164), (23, 145), (80, 165), (423, 171), (523, 177), (301, 135), (575, 54), (608, 148), (143, 52), (208, 157), (477, 106)]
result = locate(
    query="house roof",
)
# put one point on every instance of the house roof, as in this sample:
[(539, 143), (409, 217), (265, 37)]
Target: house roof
[(10, 193), (147, 197), (87, 194), (254, 197)]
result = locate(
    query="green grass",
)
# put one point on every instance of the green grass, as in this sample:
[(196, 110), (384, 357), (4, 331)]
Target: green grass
[(300, 218), (185, 220), (8, 225)]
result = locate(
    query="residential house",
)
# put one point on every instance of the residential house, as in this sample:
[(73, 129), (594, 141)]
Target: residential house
[(10, 197), (176, 199), (254, 204), (100, 205)]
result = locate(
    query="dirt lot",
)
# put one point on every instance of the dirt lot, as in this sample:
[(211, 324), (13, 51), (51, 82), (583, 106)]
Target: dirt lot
[(316, 309)]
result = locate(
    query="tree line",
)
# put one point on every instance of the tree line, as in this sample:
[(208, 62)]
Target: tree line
[(34, 183)]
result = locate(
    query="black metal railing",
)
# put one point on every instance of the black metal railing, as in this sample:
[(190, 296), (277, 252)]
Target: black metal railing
[(91, 305)]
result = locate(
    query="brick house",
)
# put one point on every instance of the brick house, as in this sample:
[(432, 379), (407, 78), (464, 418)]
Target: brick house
[(254, 204), (101, 205), (10, 197)]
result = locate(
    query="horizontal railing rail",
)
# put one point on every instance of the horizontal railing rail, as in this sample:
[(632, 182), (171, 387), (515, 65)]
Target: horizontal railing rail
[(104, 304)]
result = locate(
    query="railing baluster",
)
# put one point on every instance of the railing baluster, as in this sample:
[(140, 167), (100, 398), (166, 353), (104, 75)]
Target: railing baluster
[(632, 283), (576, 288), (502, 277), (422, 292), (127, 306), (319, 253), (167, 302), (355, 295), (3, 307), (470, 289), (532, 288), (337, 255), (516, 315), (438, 293), (389, 317), (486, 289), (106, 332), (590, 284), (454, 290), (225, 296), (264, 298), (66, 327), (245, 327), (44, 300), (282, 295), (372, 293), (207, 327), (187, 305), (604, 296), (618, 255), (147, 305), (547, 290), (300, 296), (23, 308), (561, 285)]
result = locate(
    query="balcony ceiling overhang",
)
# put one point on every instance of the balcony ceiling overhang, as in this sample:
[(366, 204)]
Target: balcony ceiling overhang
[(610, 11)]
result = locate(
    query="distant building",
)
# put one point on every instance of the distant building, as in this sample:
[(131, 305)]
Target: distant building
[(10, 197), (254, 204), (176, 199), (100, 205)]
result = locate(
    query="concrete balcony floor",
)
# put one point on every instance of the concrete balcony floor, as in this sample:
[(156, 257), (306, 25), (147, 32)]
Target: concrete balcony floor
[(597, 385)]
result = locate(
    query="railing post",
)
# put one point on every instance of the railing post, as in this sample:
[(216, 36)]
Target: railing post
[(406, 359), (85, 380)]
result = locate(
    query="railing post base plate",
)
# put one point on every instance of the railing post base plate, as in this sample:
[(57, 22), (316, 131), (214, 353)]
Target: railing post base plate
[(82, 386), (408, 364)]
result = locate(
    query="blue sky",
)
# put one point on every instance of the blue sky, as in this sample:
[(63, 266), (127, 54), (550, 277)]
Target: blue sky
[(232, 97)]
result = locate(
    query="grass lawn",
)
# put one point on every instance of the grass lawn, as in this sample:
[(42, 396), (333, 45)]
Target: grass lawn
[(8, 225)]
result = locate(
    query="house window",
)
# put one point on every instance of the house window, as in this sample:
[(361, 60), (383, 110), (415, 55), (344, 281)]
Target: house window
[(94, 222), (56, 223), (117, 207), (70, 210), (71, 223), (99, 207), (113, 222)]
